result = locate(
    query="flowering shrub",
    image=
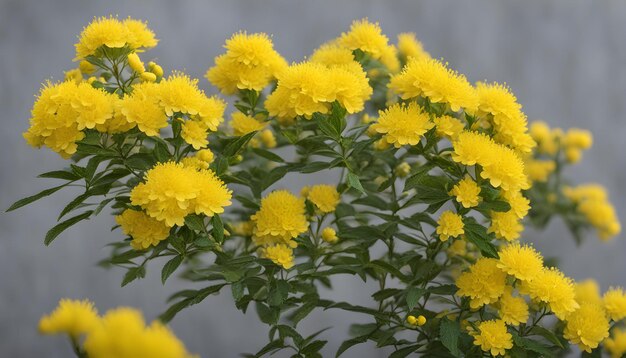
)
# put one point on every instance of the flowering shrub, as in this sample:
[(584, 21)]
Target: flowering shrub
[(428, 182)]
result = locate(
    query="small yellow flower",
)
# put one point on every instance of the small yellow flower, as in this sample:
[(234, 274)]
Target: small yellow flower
[(402, 125), (145, 230), (148, 77), (280, 219), (521, 261), (555, 289), (412, 320), (492, 337), (449, 225), (467, 192), (155, 68), (205, 155), (268, 139), (615, 303), (325, 197), (512, 309), (329, 235), (72, 317), (280, 254), (484, 283), (421, 320)]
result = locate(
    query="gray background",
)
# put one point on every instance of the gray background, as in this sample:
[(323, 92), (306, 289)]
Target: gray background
[(564, 60)]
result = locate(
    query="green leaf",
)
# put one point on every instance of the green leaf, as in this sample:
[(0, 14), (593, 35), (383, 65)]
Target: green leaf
[(74, 204), (403, 352), (22, 202), (373, 201), (531, 345), (413, 295), (271, 346), (443, 290), (279, 293), (449, 332), (268, 155), (303, 311), (59, 228), (170, 267), (313, 347), (350, 343), (60, 174), (547, 334), (195, 222), (132, 274), (235, 145), (266, 314), (387, 267), (477, 234), (354, 182), (218, 228), (192, 297), (498, 205)]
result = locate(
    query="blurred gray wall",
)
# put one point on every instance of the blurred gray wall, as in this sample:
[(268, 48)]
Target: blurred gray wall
[(564, 59)]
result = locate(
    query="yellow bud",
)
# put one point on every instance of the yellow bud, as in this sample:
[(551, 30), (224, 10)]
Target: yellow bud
[(573, 155), (403, 169), (156, 69), (148, 77), (237, 159), (412, 320), (135, 63), (421, 320), (329, 235)]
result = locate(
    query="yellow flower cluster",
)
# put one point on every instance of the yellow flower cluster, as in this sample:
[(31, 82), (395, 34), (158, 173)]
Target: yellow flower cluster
[(120, 332), (113, 33), (402, 124), (592, 201), (250, 62), (551, 141), (144, 230), (172, 191)]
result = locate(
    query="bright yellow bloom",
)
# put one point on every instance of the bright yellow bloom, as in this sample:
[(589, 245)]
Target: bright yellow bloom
[(457, 248), (73, 75), (280, 254), (331, 54), (267, 138), (578, 138), (410, 47), (433, 79), (421, 320), (588, 291), (242, 124), (521, 261), (539, 170), (403, 124), (325, 197), (250, 62), (449, 225), (506, 225), (555, 289), (506, 116), (540, 131), (616, 345), (124, 334), (448, 127), (519, 203), (467, 192), (512, 309), (86, 67), (587, 327), (500, 164), (194, 162), (73, 317), (484, 283), (350, 86), (113, 33), (141, 108), (205, 155), (145, 230), (573, 155), (365, 36), (195, 134), (493, 337), (172, 191), (389, 59), (155, 68), (329, 235), (592, 200), (118, 123), (615, 303), (280, 219)]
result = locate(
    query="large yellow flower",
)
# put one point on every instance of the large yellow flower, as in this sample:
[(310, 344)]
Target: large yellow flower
[(587, 327), (484, 283), (521, 261), (72, 317), (493, 337), (449, 225), (402, 124), (588, 291), (505, 225), (280, 219), (331, 54), (113, 33), (365, 36), (512, 309), (141, 108), (145, 230), (431, 78), (615, 303), (555, 289)]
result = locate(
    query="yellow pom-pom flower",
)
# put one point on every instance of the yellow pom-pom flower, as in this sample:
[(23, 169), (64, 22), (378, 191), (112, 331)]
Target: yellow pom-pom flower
[(113, 33), (467, 192), (588, 291), (325, 197), (555, 289), (142, 109), (145, 230), (410, 47), (616, 344), (329, 235), (505, 225), (512, 309), (280, 254), (520, 205), (402, 170), (449, 225), (615, 303), (521, 261), (331, 54), (72, 317), (403, 124), (492, 337), (172, 191), (448, 127), (539, 170), (205, 155), (431, 78), (587, 327), (267, 138), (280, 219), (365, 36), (242, 124), (484, 283)]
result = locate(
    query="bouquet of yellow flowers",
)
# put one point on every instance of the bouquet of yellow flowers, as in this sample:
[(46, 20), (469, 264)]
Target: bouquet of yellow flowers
[(425, 184)]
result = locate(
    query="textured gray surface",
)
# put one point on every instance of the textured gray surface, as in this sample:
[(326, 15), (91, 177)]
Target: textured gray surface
[(564, 60)]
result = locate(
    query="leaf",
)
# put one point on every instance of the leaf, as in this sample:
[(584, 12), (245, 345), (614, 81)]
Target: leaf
[(498, 205), (477, 235), (22, 202), (273, 345), (403, 352), (303, 311), (193, 297), (218, 228), (443, 290), (132, 274), (59, 228), (413, 295), (354, 182), (266, 314), (234, 146), (373, 201), (74, 204), (313, 167), (387, 267), (350, 343), (531, 345), (195, 222), (170, 267), (547, 334), (449, 332), (268, 155), (60, 174)]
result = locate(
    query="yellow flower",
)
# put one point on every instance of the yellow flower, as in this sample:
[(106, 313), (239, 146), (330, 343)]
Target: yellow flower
[(329, 235), (410, 47), (521, 261), (113, 33), (616, 345), (402, 170), (457, 248), (573, 155), (172, 191), (350, 86), (205, 155), (592, 200), (484, 283), (242, 124), (72, 317), (280, 254), (195, 133), (365, 36), (578, 138), (449, 225), (124, 334), (403, 124), (268, 139), (615, 303), (194, 162), (505, 225), (588, 291), (493, 337), (555, 289), (430, 78), (540, 131), (519, 204), (331, 54), (587, 326), (156, 69), (280, 219), (412, 320), (73, 75), (250, 62), (467, 192), (144, 230), (245, 228), (448, 127), (500, 164), (325, 197), (539, 170), (141, 108), (512, 310)]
